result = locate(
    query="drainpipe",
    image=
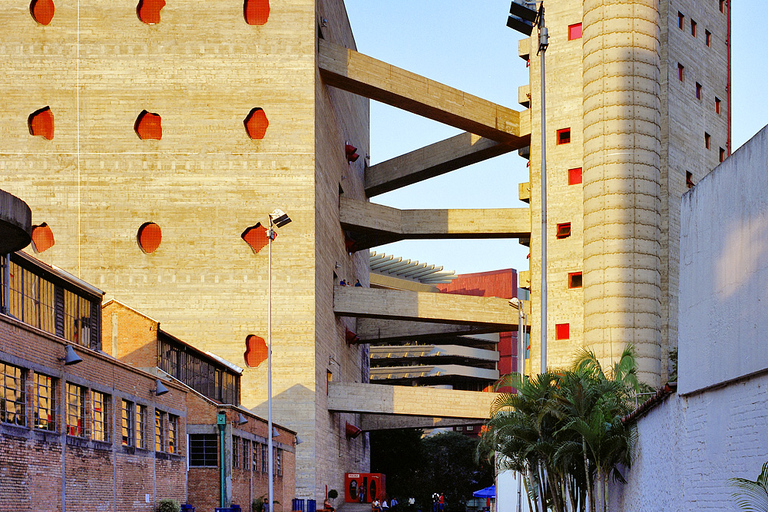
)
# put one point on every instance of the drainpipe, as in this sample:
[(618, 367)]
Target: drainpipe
[(221, 422)]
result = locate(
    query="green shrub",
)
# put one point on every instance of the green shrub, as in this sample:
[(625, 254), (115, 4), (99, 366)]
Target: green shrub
[(168, 505)]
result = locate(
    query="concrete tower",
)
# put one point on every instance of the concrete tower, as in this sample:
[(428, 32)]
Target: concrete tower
[(637, 112)]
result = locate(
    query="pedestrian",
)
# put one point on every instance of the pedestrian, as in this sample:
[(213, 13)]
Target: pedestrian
[(435, 499), (441, 503), (384, 506), (357, 284), (393, 504)]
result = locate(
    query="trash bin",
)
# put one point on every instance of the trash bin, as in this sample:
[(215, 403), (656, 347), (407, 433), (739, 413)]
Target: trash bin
[(235, 508), (311, 506), (187, 508), (297, 504)]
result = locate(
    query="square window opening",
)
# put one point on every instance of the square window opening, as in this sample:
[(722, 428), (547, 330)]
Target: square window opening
[(574, 31), (574, 280), (564, 136), (574, 176), (563, 230)]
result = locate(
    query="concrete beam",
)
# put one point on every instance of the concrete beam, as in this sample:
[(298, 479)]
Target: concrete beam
[(433, 160), (395, 283), (359, 74), (409, 401), (378, 331), (373, 224), (424, 306), (373, 422)]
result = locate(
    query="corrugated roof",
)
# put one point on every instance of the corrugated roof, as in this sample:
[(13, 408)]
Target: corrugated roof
[(394, 266)]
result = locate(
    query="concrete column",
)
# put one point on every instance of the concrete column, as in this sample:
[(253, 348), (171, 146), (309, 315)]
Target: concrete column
[(622, 201)]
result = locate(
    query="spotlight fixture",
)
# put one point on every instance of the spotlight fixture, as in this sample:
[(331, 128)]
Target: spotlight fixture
[(70, 356), (159, 388), (299, 440), (522, 15), (351, 152), (241, 420), (275, 433), (279, 218)]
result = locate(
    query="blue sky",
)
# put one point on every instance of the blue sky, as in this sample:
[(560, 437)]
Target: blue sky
[(468, 46)]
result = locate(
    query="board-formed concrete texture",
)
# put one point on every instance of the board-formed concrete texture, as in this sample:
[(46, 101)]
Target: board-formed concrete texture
[(636, 107), (724, 271), (244, 120)]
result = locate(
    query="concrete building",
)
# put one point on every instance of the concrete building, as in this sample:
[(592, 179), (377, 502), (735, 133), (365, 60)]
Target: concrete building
[(148, 141), (638, 111)]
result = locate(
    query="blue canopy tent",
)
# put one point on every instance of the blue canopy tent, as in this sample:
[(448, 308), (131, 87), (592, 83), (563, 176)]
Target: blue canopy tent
[(488, 492)]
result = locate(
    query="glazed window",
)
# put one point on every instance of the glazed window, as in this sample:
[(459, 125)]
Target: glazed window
[(100, 416), (13, 395), (698, 91), (173, 434), (159, 431), (693, 28), (126, 423), (563, 230), (203, 450), (708, 38), (707, 140), (45, 402), (564, 136), (680, 20), (75, 410), (717, 105), (141, 426), (680, 72)]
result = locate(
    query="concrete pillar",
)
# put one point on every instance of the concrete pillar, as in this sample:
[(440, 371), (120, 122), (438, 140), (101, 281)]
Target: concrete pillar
[(622, 201)]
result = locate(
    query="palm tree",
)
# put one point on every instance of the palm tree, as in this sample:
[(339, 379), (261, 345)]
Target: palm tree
[(752, 496)]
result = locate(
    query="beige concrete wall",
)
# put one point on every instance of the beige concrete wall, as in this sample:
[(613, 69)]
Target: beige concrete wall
[(202, 68)]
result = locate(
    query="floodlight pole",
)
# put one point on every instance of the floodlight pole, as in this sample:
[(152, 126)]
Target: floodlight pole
[(270, 237), (543, 43)]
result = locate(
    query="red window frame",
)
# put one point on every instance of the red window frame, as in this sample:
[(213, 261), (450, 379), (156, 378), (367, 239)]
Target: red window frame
[(575, 280), (563, 230), (563, 136)]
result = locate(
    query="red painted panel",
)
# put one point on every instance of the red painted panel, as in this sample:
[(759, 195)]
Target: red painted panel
[(256, 123), (42, 11), (256, 237), (42, 237), (41, 123), (149, 237), (149, 126), (149, 11), (256, 11), (256, 350)]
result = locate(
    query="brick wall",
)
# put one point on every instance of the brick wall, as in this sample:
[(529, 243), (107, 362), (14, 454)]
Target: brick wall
[(43, 470)]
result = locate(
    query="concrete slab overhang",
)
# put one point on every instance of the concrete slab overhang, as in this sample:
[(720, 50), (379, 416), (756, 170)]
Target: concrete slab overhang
[(359, 74), (424, 307), (383, 373), (416, 352), (378, 331), (15, 223), (409, 401), (373, 224)]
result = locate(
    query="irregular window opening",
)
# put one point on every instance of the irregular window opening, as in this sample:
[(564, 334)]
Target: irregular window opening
[(42, 238), (148, 11), (149, 237), (256, 12), (42, 11), (148, 126), (40, 122), (256, 123)]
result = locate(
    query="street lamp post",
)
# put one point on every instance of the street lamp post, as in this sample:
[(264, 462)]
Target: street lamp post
[(523, 16), (277, 218)]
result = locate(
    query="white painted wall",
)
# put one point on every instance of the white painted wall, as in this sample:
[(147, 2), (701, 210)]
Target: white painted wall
[(724, 271), (507, 493), (716, 426)]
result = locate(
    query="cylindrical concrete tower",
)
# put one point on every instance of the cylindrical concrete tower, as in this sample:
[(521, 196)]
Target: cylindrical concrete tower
[(622, 195)]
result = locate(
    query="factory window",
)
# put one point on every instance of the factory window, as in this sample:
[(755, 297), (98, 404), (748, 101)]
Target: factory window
[(574, 176), (203, 450), (45, 402), (173, 434), (693, 28), (148, 11), (236, 451), (574, 280), (246, 454), (141, 426), (722, 154), (159, 431), (717, 105), (708, 38), (100, 417), (278, 470), (75, 410), (13, 397), (264, 458), (689, 179), (42, 11), (564, 136), (574, 31), (562, 331), (707, 140), (149, 237), (680, 20), (126, 423), (680, 71), (698, 91), (563, 230)]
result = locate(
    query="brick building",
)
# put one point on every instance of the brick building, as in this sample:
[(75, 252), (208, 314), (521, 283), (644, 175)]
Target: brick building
[(76, 429), (215, 418)]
